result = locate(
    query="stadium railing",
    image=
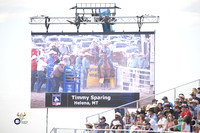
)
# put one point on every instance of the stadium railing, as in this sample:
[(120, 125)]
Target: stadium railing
[(70, 130)]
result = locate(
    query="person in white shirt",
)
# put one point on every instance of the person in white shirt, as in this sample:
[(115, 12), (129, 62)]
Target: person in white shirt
[(152, 122), (160, 127), (162, 119), (41, 73)]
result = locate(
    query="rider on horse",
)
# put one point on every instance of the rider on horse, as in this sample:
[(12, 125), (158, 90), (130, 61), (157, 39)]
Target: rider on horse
[(107, 51)]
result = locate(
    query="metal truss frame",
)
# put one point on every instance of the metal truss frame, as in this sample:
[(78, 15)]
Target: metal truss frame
[(140, 20)]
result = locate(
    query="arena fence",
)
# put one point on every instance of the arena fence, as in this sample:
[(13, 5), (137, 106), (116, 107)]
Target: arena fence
[(172, 94)]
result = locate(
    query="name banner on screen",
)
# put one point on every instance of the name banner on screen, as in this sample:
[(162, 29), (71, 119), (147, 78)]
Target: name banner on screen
[(90, 99)]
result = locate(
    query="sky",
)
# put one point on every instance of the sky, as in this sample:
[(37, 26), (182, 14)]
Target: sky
[(177, 53)]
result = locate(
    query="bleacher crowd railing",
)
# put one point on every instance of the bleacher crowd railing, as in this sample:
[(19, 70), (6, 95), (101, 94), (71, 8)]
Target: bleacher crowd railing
[(70, 130), (172, 94)]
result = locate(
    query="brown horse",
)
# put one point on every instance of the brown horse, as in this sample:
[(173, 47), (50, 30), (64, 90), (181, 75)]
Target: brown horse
[(105, 71)]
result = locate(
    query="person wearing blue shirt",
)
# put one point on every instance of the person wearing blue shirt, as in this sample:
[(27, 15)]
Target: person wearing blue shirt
[(79, 59), (195, 107), (165, 99), (85, 67)]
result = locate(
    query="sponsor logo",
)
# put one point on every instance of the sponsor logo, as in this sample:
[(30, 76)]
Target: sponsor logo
[(20, 119), (56, 99)]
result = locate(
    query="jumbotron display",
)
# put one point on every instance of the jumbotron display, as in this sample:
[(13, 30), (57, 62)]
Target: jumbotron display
[(91, 70)]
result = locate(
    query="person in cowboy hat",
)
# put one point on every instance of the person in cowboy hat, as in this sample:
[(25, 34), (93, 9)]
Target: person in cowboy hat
[(56, 76), (195, 107), (66, 60), (116, 125), (33, 71), (117, 118), (89, 127), (52, 58), (85, 67)]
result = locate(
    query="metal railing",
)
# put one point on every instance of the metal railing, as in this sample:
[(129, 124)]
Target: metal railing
[(70, 130), (186, 89)]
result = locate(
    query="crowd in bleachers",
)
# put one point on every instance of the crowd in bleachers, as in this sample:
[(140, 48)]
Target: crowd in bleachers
[(182, 115)]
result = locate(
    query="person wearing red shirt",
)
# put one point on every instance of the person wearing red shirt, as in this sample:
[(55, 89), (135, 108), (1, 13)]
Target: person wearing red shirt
[(33, 71), (34, 52), (185, 111)]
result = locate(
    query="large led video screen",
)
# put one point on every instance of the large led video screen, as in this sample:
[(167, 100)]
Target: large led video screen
[(91, 69)]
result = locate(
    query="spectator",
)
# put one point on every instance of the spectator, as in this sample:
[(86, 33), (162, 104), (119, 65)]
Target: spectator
[(194, 97), (132, 117), (116, 125), (186, 124), (191, 109), (167, 110), (169, 123), (185, 111), (104, 124), (152, 114), (160, 127), (176, 101), (33, 71), (176, 128), (127, 119), (148, 127), (162, 120), (198, 117), (177, 112), (99, 126), (165, 100), (142, 113), (41, 73), (88, 128), (137, 119), (117, 118), (56, 76), (198, 93), (86, 66), (95, 126), (143, 108), (160, 106), (181, 97), (141, 121), (154, 101), (121, 111), (152, 122)]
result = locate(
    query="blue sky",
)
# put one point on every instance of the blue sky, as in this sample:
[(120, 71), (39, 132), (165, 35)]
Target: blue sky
[(177, 52)]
